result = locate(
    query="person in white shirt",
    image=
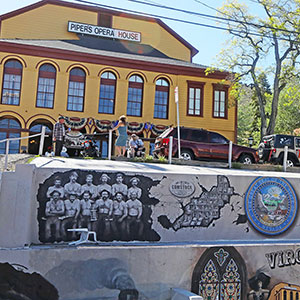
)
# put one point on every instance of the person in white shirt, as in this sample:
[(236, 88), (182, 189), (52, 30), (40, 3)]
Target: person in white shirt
[(136, 146)]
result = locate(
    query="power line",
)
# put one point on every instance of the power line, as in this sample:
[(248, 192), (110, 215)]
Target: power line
[(211, 16), (237, 31)]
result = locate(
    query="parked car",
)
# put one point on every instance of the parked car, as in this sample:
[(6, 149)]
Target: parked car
[(204, 145), (271, 149)]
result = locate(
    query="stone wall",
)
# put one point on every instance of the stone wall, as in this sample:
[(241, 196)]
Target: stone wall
[(210, 231)]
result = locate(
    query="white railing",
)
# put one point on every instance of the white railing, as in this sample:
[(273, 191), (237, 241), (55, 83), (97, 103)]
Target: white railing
[(230, 155), (285, 156), (42, 134)]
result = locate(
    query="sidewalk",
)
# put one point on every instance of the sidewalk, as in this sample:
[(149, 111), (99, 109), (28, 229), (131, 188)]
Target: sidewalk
[(13, 159)]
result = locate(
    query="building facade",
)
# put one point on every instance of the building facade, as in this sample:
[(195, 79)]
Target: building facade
[(92, 65)]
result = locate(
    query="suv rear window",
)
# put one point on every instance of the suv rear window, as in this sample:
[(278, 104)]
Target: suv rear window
[(283, 140), (184, 133), (199, 136), (217, 138)]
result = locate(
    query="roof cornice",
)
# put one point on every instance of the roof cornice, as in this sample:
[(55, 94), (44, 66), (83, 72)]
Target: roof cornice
[(71, 55), (17, 12)]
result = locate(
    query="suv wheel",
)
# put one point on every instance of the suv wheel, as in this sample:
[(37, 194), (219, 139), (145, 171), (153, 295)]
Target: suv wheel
[(290, 163), (246, 159), (187, 154)]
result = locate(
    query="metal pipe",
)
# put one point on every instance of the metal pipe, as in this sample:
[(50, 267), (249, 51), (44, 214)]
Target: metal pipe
[(42, 140), (109, 144), (170, 150), (178, 125), (285, 155), (6, 154), (230, 154)]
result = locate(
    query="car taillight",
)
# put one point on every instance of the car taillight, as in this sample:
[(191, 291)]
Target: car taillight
[(165, 141)]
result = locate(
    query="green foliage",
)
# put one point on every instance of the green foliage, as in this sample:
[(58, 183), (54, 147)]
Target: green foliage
[(162, 160), (148, 158), (289, 109), (31, 159), (266, 52)]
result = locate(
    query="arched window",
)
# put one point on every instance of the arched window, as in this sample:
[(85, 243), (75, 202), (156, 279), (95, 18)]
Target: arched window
[(12, 78), (161, 103), (220, 274), (135, 96), (46, 86), (76, 90), (107, 93), (9, 128)]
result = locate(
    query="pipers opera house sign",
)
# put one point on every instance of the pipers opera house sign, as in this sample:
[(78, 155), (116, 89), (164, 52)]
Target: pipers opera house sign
[(104, 31)]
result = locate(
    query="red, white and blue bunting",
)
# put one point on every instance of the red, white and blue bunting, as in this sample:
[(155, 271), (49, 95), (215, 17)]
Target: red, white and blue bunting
[(158, 129), (135, 127), (75, 123), (103, 125)]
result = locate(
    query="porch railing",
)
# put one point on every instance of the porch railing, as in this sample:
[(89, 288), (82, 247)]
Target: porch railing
[(41, 134)]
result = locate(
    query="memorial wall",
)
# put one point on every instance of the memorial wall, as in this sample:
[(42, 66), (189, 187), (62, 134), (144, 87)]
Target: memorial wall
[(222, 234)]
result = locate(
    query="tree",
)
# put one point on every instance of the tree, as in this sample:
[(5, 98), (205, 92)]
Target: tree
[(269, 45), (289, 109)]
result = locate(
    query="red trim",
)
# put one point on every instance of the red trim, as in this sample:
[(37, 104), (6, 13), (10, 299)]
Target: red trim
[(16, 57), (40, 51), (136, 85), (14, 71), (47, 61), (113, 82), (84, 90), (79, 66), (223, 88), (11, 111), (109, 70), (44, 74), (163, 89), (17, 12), (47, 74), (163, 76), (54, 121), (195, 85)]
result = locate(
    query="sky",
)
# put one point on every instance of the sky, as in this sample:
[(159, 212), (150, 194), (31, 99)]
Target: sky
[(209, 42)]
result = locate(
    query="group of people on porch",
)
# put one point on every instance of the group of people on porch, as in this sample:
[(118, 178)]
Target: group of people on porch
[(135, 148)]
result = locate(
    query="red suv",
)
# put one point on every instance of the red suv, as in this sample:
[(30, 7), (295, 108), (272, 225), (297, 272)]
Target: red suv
[(204, 145)]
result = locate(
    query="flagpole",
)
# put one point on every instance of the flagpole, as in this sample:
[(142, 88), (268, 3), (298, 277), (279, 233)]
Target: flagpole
[(178, 125)]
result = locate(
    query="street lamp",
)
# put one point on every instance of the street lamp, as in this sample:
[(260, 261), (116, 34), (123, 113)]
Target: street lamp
[(250, 141)]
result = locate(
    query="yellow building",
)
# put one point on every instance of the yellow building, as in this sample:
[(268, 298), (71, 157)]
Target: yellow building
[(285, 291), (92, 65)]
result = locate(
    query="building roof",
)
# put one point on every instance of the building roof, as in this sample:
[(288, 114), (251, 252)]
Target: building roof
[(193, 50), (116, 46), (69, 51)]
